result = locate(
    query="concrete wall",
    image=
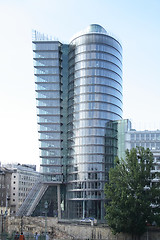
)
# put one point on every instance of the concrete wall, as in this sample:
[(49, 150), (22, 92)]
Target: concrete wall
[(66, 230)]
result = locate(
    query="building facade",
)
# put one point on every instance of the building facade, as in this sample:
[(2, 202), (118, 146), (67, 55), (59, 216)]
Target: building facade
[(5, 190), (19, 180), (79, 91), (131, 138)]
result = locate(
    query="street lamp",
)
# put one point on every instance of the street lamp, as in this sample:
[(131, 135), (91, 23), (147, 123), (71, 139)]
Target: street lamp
[(22, 223), (46, 207)]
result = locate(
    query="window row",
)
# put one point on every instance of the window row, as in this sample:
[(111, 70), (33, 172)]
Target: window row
[(145, 136), (87, 141), (94, 64), (49, 127), (93, 149), (96, 81), (92, 158), (97, 39), (48, 111), (88, 56), (97, 97), (48, 94), (51, 161), (51, 178), (48, 86), (97, 72), (96, 106), (46, 62), (53, 135), (50, 144), (47, 78), (85, 185), (30, 178), (49, 119), (46, 45), (46, 54), (97, 47), (95, 86), (86, 168), (88, 123), (48, 102), (85, 176), (50, 169), (97, 89), (93, 114), (87, 150), (85, 194), (150, 145), (46, 70), (50, 152)]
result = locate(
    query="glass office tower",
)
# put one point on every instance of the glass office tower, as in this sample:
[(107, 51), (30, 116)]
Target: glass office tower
[(94, 99), (79, 93)]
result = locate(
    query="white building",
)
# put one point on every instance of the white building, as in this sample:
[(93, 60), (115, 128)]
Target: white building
[(130, 138), (22, 180)]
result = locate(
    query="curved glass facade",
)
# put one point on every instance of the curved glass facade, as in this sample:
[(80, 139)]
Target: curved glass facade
[(95, 98), (79, 98)]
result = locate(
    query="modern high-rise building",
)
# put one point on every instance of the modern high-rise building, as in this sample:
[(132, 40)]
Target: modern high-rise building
[(79, 92), (94, 99)]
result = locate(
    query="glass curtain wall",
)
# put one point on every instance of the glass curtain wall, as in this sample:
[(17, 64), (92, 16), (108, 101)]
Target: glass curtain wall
[(94, 98), (47, 70)]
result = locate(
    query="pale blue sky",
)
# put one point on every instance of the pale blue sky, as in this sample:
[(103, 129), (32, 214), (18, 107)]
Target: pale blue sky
[(135, 23)]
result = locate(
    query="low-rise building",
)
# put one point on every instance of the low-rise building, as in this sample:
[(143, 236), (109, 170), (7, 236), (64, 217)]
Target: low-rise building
[(130, 138), (5, 190), (21, 180)]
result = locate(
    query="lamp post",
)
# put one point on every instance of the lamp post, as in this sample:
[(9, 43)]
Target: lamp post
[(22, 223), (147, 229), (46, 207)]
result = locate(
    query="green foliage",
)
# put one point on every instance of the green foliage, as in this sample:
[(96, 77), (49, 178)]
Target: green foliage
[(131, 194)]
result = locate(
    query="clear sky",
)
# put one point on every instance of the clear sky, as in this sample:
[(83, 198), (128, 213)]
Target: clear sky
[(135, 23)]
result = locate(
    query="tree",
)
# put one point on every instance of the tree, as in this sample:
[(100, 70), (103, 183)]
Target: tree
[(132, 197)]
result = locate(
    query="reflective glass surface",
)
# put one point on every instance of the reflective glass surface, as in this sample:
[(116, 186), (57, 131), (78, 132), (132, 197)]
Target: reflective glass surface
[(47, 62), (95, 98), (78, 93)]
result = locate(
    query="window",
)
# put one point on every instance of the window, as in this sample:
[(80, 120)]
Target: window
[(158, 145), (158, 136), (142, 136), (153, 145), (152, 136), (132, 137), (147, 136)]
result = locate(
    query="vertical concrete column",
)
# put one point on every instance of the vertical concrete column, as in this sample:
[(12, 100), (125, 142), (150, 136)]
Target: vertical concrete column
[(83, 209), (102, 210), (59, 201), (1, 223)]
